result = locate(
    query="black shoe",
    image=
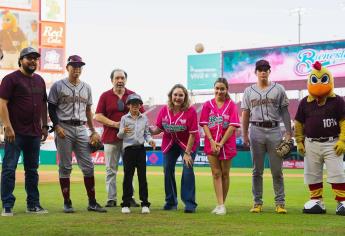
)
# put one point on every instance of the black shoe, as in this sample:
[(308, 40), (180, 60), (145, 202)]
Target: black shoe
[(36, 210), (133, 203), (67, 207), (111, 203), (169, 208), (189, 211), (96, 207)]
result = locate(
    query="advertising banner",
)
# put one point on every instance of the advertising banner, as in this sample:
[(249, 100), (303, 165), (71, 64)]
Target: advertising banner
[(52, 59), (53, 10), (203, 70), (288, 63), (52, 34), (19, 29), (21, 4)]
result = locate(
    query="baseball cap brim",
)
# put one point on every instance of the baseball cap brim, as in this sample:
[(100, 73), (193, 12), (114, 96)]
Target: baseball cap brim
[(36, 54), (74, 63), (131, 101)]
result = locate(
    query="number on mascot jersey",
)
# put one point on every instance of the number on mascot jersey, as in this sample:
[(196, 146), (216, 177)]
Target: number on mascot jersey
[(327, 123)]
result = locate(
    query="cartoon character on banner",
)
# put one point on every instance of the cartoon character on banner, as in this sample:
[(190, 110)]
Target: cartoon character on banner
[(12, 40)]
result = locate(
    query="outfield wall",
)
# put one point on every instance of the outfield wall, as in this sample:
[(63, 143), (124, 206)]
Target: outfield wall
[(155, 158)]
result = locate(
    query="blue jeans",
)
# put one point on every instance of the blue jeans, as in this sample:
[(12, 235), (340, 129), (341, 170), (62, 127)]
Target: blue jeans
[(30, 146), (187, 180)]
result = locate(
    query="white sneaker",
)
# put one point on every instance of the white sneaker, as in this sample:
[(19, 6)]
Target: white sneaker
[(7, 212), (221, 210), (125, 210), (215, 209), (145, 210)]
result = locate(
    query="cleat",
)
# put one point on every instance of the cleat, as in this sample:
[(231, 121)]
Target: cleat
[(257, 208), (280, 209), (36, 210), (96, 207)]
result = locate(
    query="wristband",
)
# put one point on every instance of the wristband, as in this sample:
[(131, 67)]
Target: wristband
[(187, 153)]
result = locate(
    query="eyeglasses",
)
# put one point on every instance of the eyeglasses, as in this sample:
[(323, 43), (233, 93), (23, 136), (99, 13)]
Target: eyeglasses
[(120, 105)]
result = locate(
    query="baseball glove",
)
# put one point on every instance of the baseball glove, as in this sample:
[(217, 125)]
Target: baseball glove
[(95, 146), (284, 148)]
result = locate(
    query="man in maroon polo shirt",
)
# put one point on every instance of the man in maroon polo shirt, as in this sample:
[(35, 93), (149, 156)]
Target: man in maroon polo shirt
[(111, 107), (23, 111)]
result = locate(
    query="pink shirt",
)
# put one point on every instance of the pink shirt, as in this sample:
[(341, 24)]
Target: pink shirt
[(218, 120), (177, 128)]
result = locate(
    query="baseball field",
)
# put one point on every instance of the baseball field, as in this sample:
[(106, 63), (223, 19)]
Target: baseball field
[(238, 221)]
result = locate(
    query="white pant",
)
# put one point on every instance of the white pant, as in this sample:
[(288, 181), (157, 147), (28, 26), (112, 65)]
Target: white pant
[(317, 154)]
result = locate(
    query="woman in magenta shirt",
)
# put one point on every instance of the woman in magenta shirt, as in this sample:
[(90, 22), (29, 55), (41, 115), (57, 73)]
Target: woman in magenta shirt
[(179, 124), (219, 119)]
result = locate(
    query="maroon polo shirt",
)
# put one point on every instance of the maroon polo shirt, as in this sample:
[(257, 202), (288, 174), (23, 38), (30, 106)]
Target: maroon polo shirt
[(108, 106), (321, 121), (25, 96)]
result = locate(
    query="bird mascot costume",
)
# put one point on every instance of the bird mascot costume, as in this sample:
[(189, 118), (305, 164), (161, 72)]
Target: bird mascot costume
[(320, 138)]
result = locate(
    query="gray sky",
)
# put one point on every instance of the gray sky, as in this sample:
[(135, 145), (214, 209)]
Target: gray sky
[(151, 39)]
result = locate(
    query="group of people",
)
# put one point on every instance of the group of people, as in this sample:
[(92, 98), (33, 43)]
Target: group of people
[(126, 129)]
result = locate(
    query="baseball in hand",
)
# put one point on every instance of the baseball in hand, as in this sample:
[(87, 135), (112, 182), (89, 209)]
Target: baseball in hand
[(199, 48)]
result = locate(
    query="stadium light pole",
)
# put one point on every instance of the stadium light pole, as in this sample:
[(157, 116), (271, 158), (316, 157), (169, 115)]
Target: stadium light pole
[(299, 12)]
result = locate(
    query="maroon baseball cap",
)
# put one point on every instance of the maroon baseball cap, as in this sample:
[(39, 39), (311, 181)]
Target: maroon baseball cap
[(262, 64), (75, 60)]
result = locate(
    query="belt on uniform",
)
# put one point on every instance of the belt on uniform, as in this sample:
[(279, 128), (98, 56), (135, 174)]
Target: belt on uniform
[(265, 124), (74, 122), (135, 147), (322, 139)]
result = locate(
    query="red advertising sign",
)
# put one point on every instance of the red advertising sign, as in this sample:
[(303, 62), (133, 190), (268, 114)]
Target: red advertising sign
[(52, 34)]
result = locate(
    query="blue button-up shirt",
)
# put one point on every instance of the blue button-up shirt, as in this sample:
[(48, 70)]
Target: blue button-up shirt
[(139, 130)]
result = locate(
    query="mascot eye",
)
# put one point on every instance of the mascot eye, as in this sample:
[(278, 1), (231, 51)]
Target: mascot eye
[(325, 79), (313, 79)]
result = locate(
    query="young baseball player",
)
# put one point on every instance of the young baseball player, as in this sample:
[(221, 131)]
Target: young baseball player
[(264, 104), (320, 137), (134, 130), (219, 119), (69, 105)]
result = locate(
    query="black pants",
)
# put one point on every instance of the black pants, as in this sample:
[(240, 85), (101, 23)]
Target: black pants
[(134, 157)]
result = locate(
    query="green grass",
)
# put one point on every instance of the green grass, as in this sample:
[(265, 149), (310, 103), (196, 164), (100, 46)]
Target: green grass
[(238, 221)]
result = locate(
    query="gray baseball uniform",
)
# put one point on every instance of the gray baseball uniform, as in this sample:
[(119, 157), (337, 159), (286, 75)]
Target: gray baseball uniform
[(71, 102), (265, 135)]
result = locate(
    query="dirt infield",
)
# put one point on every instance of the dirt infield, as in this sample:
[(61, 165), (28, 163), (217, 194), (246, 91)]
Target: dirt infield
[(52, 176)]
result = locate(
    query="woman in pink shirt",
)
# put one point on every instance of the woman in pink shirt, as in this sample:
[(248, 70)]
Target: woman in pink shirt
[(219, 119), (179, 124)]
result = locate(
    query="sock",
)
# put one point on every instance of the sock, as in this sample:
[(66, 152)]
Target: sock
[(65, 188), (339, 190), (316, 190), (89, 183)]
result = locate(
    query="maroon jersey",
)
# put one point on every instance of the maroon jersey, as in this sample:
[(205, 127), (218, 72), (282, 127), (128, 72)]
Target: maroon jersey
[(25, 96), (321, 121)]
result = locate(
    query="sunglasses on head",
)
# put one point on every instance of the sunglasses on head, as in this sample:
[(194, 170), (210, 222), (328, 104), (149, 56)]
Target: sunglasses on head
[(120, 105)]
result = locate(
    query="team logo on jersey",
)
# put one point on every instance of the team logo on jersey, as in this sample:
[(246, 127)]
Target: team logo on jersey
[(226, 117), (214, 120), (183, 121)]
